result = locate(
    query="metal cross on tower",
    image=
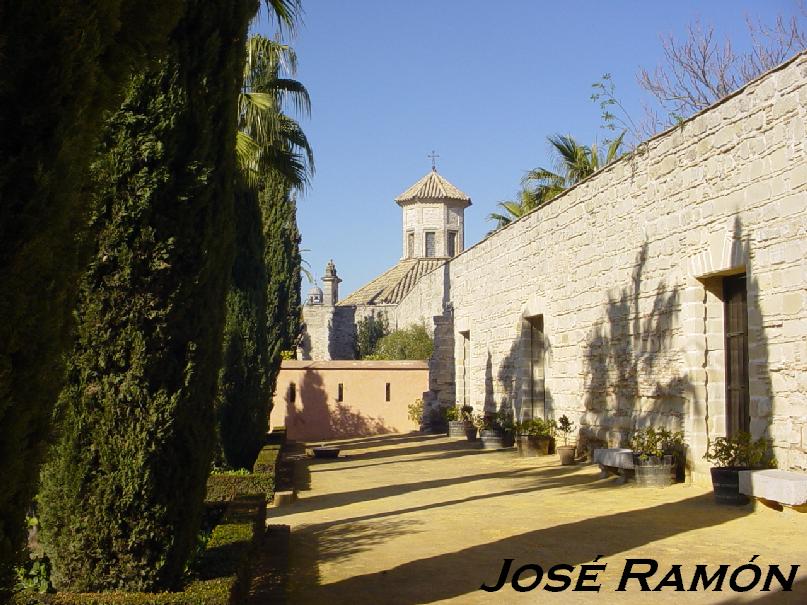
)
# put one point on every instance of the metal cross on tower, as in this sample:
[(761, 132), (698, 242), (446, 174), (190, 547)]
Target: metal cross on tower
[(433, 157)]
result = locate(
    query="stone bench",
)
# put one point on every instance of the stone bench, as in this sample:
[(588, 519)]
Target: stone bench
[(614, 459), (773, 485)]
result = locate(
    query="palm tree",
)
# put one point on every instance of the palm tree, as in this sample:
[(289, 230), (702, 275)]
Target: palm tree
[(268, 140), (514, 210), (574, 163)]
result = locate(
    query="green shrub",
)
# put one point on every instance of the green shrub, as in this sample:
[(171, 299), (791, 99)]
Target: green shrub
[(740, 450), (413, 342), (223, 575), (56, 86), (121, 499), (369, 331)]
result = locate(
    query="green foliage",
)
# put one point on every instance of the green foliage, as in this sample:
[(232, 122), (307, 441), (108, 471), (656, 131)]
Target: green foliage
[(565, 427), (413, 342), (467, 413), (415, 411), (264, 302), (242, 402), (657, 442), (535, 426), (63, 64), (369, 331), (222, 574), (452, 414), (35, 575), (282, 260), (740, 451), (122, 497)]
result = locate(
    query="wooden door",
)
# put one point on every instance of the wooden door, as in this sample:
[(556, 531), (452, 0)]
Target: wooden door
[(736, 328)]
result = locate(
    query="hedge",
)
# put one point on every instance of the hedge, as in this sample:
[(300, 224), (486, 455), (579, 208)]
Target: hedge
[(223, 487), (224, 572)]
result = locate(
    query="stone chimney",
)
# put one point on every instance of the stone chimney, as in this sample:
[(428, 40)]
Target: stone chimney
[(331, 285)]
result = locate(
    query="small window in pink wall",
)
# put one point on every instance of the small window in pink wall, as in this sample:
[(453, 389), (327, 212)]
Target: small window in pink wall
[(340, 392)]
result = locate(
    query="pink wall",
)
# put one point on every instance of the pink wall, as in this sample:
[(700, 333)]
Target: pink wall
[(316, 414)]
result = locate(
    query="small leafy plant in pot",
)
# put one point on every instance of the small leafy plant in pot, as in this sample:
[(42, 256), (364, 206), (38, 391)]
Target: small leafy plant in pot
[(460, 421), (496, 431), (732, 455), (534, 437), (658, 454), (566, 452)]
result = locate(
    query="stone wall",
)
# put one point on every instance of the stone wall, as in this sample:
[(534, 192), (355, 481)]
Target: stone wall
[(625, 270), (328, 333)]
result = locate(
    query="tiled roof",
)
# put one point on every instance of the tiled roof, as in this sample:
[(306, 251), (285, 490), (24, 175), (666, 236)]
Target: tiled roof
[(432, 186), (390, 287)]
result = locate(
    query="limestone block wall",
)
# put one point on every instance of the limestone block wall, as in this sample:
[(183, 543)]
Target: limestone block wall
[(328, 333), (624, 275)]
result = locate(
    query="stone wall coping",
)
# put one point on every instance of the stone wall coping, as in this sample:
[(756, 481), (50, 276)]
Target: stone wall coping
[(349, 364), (786, 487)]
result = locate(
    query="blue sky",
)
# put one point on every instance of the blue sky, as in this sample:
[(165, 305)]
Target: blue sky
[(482, 83)]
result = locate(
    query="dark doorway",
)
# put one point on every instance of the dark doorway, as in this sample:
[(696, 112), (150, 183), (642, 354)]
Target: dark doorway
[(537, 377), (738, 416)]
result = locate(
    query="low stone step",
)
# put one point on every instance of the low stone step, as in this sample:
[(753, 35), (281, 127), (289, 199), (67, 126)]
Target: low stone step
[(284, 498)]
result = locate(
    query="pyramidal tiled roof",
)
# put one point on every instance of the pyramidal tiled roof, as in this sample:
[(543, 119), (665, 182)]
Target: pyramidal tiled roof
[(432, 186), (390, 287)]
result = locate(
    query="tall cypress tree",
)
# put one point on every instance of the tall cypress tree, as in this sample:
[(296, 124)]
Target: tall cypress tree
[(242, 404), (63, 64), (274, 158), (121, 499), (282, 257)]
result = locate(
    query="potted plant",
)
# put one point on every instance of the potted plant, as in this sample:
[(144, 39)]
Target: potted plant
[(565, 452), (534, 437), (496, 430), (415, 412), (460, 421), (657, 456), (732, 455)]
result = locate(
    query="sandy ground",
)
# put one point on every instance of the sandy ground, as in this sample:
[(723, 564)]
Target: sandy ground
[(405, 519)]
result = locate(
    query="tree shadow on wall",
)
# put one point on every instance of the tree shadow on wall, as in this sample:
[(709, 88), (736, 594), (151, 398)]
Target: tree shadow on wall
[(631, 371), (317, 420)]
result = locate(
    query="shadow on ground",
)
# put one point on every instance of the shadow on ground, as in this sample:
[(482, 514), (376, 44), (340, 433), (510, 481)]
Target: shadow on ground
[(453, 574)]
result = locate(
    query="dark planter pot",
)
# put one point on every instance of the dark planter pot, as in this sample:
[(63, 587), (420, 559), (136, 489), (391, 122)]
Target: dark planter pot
[(326, 452), (566, 454), (654, 472), (726, 484), (458, 428), (533, 445), (494, 440), (470, 433)]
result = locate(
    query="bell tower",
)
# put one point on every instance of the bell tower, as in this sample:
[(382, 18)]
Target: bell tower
[(433, 217)]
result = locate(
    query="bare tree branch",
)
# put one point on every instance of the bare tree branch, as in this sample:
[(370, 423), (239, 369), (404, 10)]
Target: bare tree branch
[(701, 69)]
